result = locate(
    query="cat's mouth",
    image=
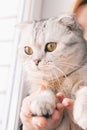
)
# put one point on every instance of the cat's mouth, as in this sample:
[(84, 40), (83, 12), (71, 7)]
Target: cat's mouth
[(42, 68)]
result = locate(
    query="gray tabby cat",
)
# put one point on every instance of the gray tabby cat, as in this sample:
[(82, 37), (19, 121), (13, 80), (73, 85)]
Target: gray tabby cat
[(54, 55)]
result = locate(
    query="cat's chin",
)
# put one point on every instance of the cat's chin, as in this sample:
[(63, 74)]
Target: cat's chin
[(42, 76), (39, 74)]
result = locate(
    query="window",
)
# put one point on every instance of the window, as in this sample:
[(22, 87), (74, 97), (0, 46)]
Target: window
[(12, 12), (8, 48)]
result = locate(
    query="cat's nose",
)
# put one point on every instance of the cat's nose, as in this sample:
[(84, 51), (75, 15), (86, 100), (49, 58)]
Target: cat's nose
[(36, 61)]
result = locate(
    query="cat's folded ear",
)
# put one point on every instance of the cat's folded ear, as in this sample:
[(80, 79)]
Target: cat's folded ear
[(21, 26), (68, 20)]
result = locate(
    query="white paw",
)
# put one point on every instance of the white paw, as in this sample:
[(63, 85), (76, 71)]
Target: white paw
[(80, 108), (44, 104)]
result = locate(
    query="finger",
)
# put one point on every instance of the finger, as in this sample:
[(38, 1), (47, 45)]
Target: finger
[(68, 103), (60, 96), (39, 121), (24, 118), (35, 121), (60, 107), (25, 107), (56, 115)]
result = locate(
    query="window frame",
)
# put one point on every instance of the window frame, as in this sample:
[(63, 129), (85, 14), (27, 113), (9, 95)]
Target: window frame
[(14, 95)]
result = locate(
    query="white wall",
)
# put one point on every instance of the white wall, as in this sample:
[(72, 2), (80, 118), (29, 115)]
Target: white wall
[(55, 7), (41, 9)]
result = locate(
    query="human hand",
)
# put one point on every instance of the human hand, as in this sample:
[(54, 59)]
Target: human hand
[(38, 122), (68, 105)]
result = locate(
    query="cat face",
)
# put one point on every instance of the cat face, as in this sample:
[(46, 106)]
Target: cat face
[(53, 47)]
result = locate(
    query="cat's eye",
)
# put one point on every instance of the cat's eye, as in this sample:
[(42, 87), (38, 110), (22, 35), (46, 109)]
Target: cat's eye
[(51, 46), (28, 50)]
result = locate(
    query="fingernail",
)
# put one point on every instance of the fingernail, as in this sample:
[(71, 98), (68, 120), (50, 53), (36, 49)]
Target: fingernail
[(66, 104), (60, 96), (39, 123), (35, 121)]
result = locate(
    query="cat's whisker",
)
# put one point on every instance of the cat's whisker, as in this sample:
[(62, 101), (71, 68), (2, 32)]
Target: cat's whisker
[(68, 64), (63, 74), (53, 65), (63, 63)]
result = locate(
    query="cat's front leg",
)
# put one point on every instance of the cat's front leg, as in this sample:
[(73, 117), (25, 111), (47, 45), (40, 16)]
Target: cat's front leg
[(80, 108), (43, 104)]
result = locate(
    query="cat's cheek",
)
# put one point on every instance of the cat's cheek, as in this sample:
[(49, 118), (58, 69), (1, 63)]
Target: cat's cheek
[(29, 66)]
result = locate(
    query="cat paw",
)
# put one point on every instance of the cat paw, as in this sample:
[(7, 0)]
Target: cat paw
[(80, 108), (81, 118), (44, 104)]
